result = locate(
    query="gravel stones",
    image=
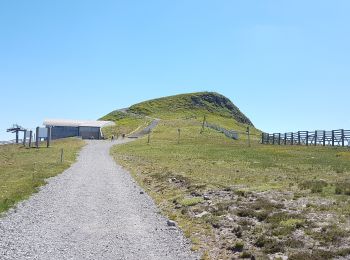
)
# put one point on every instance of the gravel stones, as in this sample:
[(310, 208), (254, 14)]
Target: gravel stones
[(90, 211)]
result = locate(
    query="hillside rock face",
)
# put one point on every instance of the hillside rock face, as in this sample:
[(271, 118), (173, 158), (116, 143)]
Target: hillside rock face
[(221, 102)]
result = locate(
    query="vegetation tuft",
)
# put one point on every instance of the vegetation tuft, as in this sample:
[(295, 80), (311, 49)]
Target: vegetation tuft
[(277, 195), (22, 169)]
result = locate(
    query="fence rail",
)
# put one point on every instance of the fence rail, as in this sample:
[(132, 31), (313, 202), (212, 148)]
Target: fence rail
[(338, 137)]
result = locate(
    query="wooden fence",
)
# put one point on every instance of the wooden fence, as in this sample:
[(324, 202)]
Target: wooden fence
[(228, 133), (339, 137)]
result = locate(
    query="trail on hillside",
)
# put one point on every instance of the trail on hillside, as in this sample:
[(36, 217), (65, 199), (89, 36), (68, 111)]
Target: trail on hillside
[(146, 130), (94, 210)]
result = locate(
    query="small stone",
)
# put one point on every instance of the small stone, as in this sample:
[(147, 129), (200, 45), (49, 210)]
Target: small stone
[(141, 192), (204, 213), (171, 223), (229, 219), (195, 194), (206, 197)]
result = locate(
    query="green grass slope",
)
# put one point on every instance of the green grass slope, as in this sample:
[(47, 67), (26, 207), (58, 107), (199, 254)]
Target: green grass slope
[(125, 123), (23, 170), (191, 106), (236, 201)]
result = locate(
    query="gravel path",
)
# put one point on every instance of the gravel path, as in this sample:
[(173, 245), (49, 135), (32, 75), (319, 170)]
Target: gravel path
[(94, 210), (146, 130)]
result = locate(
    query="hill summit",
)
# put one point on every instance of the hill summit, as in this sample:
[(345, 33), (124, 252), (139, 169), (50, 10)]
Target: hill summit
[(190, 104)]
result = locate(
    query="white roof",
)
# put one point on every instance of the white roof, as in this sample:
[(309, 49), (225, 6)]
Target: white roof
[(76, 123)]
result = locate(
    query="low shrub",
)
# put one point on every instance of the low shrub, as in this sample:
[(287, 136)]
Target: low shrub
[(316, 186)]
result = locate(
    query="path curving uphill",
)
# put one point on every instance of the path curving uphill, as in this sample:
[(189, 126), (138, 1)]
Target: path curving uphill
[(145, 130), (93, 210)]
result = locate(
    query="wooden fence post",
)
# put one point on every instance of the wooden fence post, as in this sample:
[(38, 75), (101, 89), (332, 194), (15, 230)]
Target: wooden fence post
[(149, 136), (37, 137), (30, 138), (62, 155), (203, 124), (298, 137), (279, 138), (262, 138), (292, 140), (268, 139), (342, 138), (48, 137), (307, 138), (24, 137), (315, 138), (273, 138), (285, 138), (178, 137), (324, 138), (333, 137), (248, 136)]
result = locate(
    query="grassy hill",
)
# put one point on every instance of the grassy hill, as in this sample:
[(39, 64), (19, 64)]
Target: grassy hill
[(126, 123), (235, 201), (192, 107)]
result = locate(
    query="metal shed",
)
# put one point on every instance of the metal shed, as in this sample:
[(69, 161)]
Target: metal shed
[(62, 128)]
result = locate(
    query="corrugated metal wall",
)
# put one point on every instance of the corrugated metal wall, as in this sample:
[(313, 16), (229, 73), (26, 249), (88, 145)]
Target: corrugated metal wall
[(58, 132), (87, 132)]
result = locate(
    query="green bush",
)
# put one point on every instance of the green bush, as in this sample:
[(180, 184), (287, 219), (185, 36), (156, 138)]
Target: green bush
[(316, 186)]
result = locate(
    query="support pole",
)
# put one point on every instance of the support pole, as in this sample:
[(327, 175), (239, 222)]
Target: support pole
[(37, 137), (324, 138), (315, 138), (48, 137), (342, 138), (298, 137), (24, 137), (292, 140), (203, 124), (279, 138), (307, 138), (62, 155), (178, 137), (285, 138), (333, 137), (16, 136), (30, 138)]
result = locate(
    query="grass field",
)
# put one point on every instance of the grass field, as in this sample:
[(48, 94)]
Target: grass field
[(125, 123), (23, 170), (237, 201)]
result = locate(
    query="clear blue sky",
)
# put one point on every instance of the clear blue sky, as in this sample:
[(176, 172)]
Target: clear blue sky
[(285, 64)]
